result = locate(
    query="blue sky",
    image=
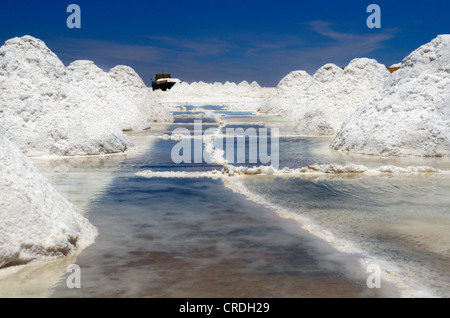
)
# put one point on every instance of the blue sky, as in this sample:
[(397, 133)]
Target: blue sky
[(226, 40)]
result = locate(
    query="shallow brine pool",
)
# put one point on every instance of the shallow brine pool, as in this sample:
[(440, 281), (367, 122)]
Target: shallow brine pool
[(247, 236)]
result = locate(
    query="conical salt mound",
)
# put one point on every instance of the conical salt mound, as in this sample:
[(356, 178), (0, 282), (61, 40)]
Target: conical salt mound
[(287, 90), (133, 87), (36, 222), (43, 113), (335, 94), (411, 114)]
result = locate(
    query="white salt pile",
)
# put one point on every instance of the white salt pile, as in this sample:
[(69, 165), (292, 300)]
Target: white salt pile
[(121, 95), (46, 108), (104, 92), (411, 114), (396, 65), (42, 112), (133, 87), (287, 90), (36, 222), (334, 95), (242, 95), (243, 89)]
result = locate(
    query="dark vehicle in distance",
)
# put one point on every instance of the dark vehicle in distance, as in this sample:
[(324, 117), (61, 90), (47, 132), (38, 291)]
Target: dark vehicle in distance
[(163, 82)]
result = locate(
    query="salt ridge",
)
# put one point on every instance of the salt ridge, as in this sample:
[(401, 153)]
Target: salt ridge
[(311, 170), (408, 288)]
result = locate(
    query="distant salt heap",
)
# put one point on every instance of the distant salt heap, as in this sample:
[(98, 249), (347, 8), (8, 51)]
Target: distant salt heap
[(411, 114), (134, 88), (43, 112), (243, 89), (36, 222), (242, 95), (334, 94), (287, 90), (112, 92), (105, 93)]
